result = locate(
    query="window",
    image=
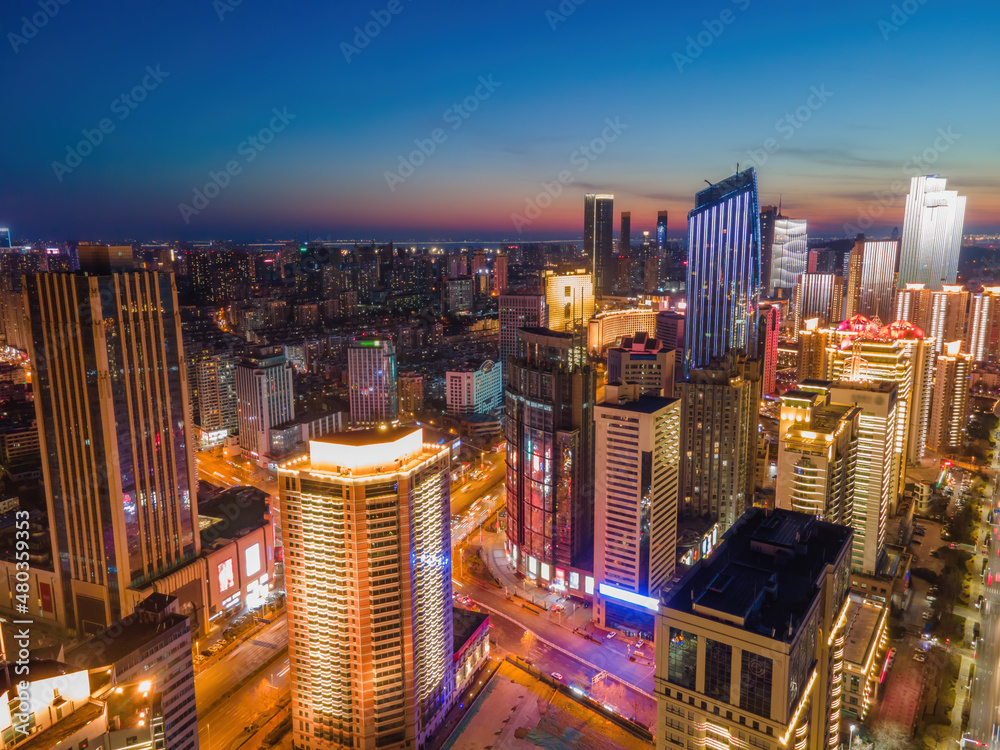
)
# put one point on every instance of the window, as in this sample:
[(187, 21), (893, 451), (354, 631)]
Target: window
[(718, 669), (682, 658), (755, 684)]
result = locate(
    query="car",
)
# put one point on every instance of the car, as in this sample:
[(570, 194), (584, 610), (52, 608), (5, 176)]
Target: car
[(611, 634), (918, 532), (915, 541), (639, 643), (926, 614), (557, 676), (989, 579), (920, 656), (931, 598)]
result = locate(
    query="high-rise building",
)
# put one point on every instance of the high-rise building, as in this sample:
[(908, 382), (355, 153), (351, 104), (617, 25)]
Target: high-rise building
[(411, 392), (723, 272), (12, 322), (932, 233), (719, 440), (789, 256), (818, 295), (749, 644), (637, 446), (550, 451), (368, 565), (500, 274), (153, 646), (949, 311), (608, 328), (459, 294), (813, 343), (474, 388), (817, 456), (212, 385), (518, 311), (768, 215), (598, 240), (913, 304), (661, 236), (643, 361), (980, 340), (264, 397), (871, 280), (875, 485), (569, 299), (670, 329), (950, 414), (625, 251), (112, 407), (770, 328), (371, 371), (104, 259)]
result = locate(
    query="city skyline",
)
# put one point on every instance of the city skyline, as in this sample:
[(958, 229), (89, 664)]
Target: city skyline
[(322, 169)]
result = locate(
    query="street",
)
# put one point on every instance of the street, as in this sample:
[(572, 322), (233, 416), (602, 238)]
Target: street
[(984, 720), (218, 470)]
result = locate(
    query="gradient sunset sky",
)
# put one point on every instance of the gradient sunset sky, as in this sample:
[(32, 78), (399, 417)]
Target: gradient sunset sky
[(892, 91)]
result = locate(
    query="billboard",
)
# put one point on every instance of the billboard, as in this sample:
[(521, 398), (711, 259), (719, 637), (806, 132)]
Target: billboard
[(227, 578)]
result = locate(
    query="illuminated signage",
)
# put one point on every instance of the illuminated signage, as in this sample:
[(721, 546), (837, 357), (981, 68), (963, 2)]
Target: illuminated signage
[(613, 592), (226, 578), (252, 558)]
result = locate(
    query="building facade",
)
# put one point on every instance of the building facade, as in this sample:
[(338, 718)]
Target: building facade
[(818, 295), (871, 279), (645, 362), (368, 566), (518, 311), (950, 415), (932, 233), (474, 389), (789, 256), (609, 328), (569, 299), (599, 242), (264, 397), (371, 371)]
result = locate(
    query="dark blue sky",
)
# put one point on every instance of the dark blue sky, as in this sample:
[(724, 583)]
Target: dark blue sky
[(848, 94)]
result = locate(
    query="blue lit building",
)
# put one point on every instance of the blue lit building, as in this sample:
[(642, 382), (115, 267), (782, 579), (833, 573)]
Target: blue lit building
[(723, 272)]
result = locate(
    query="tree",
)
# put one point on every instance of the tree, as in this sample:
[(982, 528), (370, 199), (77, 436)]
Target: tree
[(888, 736)]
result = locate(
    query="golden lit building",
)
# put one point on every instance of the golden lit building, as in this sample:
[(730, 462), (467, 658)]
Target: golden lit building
[(368, 568), (569, 298), (950, 414)]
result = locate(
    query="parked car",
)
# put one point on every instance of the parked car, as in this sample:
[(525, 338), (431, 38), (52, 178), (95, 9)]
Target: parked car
[(557, 676), (611, 635), (926, 614), (920, 656)]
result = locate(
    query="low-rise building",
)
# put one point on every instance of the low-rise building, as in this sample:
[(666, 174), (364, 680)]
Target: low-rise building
[(865, 655)]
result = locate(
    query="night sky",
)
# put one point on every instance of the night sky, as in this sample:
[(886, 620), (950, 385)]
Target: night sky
[(690, 89)]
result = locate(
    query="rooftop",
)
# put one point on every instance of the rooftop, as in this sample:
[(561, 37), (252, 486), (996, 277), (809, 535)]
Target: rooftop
[(861, 629), (127, 636), (644, 405), (465, 624), (763, 577), (64, 729)]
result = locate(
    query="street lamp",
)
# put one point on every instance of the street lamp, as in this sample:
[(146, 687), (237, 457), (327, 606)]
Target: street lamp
[(850, 741)]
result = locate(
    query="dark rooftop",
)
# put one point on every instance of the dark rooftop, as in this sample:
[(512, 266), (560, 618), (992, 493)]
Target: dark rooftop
[(465, 624), (644, 405), (537, 331), (762, 577), (123, 638), (230, 514)]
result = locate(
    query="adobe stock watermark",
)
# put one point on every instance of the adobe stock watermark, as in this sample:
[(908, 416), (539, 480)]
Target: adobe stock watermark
[(789, 124), (249, 149), (705, 38), (47, 10), (561, 12), (363, 35), (581, 158), (901, 13), (122, 106), (916, 165), (455, 116), (224, 7)]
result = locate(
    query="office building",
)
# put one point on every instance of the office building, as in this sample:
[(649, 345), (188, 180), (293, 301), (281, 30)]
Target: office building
[(768, 216), (368, 569), (865, 661), (661, 236), (817, 456), (625, 270), (950, 415), (569, 299), (500, 274), (474, 388), (371, 371), (932, 233), (550, 452), (459, 295), (598, 241), (105, 259), (12, 322), (411, 393), (264, 397), (871, 279), (818, 295), (212, 385), (913, 304), (948, 316), (770, 330), (813, 343), (116, 442), (645, 362), (518, 311), (608, 328), (670, 330), (749, 645), (637, 446), (789, 256), (154, 646), (719, 441), (876, 483), (723, 272)]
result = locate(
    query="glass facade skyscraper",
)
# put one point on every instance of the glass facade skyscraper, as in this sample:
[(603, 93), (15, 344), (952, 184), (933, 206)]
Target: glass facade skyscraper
[(598, 240), (723, 272), (111, 401), (789, 255), (932, 233)]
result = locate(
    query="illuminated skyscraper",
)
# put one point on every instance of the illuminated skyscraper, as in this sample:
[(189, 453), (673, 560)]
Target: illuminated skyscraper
[(371, 370), (625, 251), (644, 361), (770, 327), (789, 256), (264, 398), (661, 236), (599, 241), (948, 316), (980, 339), (569, 299), (871, 278), (550, 452), (111, 401), (817, 455), (875, 481), (913, 304), (950, 414), (723, 272), (635, 508), (518, 311), (768, 215), (367, 540), (818, 295), (932, 233), (813, 342)]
